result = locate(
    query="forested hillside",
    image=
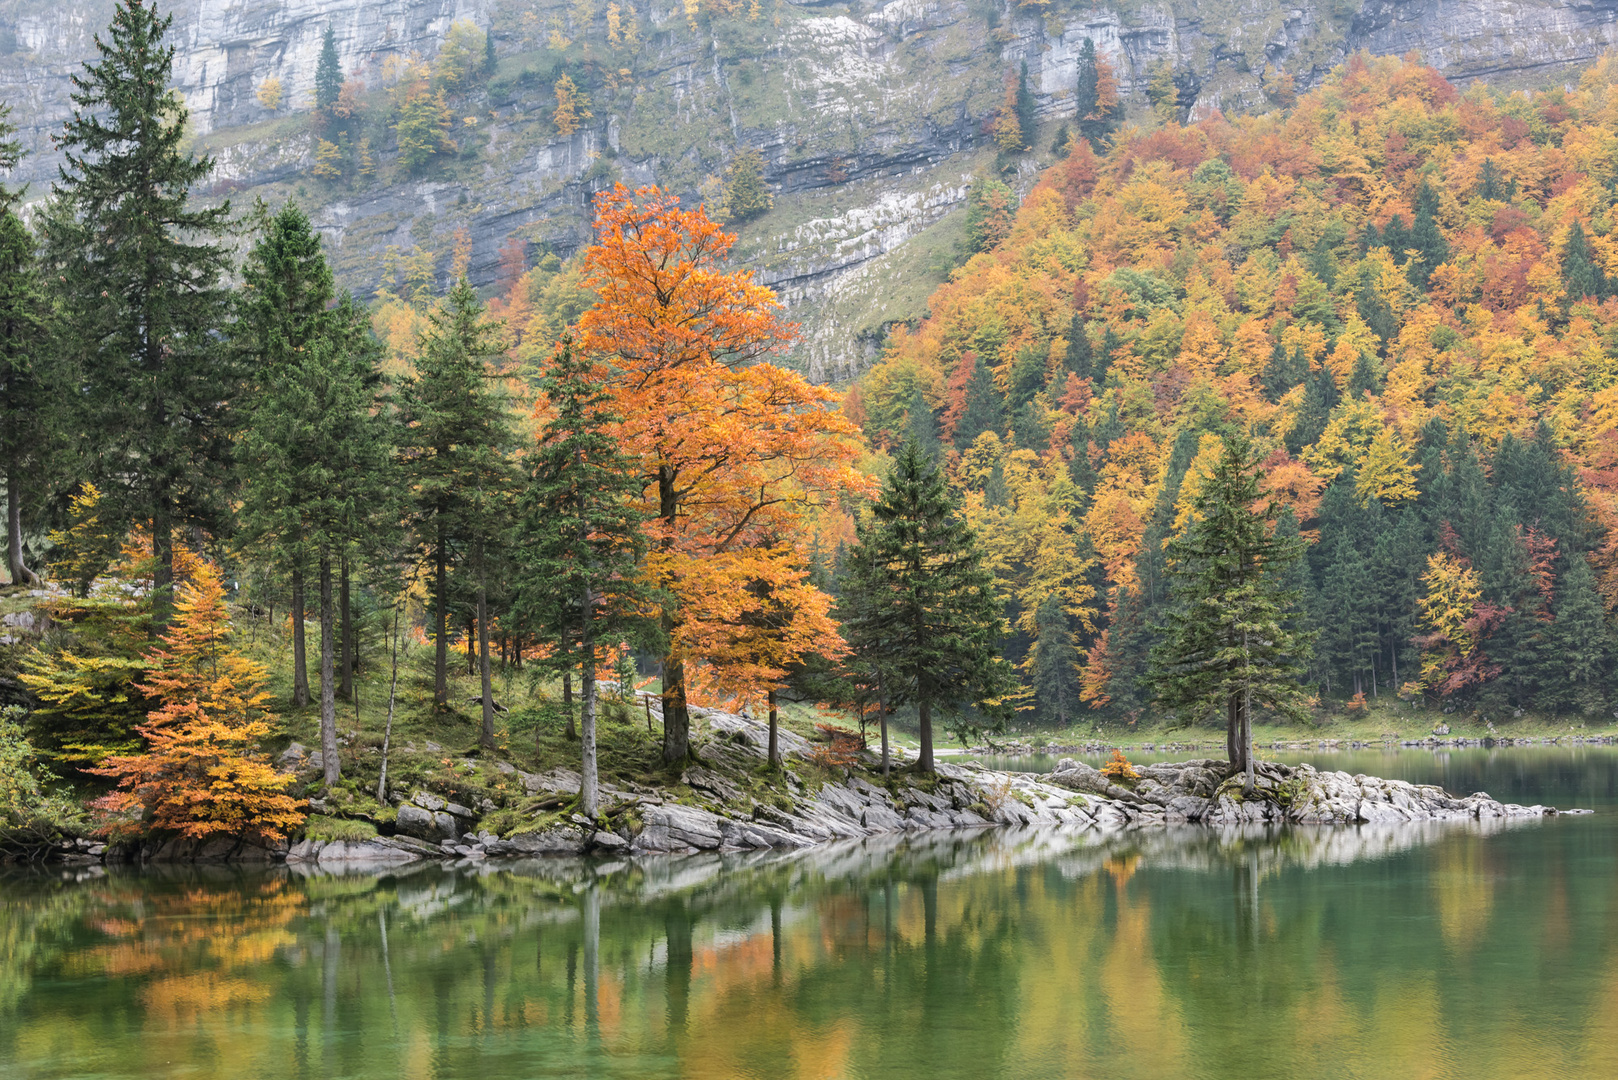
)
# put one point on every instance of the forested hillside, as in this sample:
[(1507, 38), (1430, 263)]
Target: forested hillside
[(1404, 292)]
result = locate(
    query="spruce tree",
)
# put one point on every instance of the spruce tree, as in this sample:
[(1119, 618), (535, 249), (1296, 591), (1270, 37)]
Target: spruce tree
[(1580, 644), (1054, 665), (1426, 239), (1027, 107), (286, 287), (923, 612), (457, 440), (1226, 645), (143, 287), (580, 536), (1080, 357), (1581, 277), (985, 407), (1085, 92), (31, 404), (747, 195), (922, 426), (328, 74)]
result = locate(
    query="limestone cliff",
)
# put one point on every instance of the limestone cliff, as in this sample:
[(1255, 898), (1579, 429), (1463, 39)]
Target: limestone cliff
[(870, 118)]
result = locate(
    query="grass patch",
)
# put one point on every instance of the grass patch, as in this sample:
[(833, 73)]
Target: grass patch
[(321, 827)]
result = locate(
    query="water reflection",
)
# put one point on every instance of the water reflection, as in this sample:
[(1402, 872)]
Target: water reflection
[(1377, 951)]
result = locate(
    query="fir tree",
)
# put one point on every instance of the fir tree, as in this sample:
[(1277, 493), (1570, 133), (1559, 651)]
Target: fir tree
[(1580, 645), (1085, 91), (143, 285), (1226, 645), (1364, 379), (1489, 183), (456, 445), (1426, 239), (1283, 371), (580, 536), (1054, 665), (328, 74), (925, 613), (922, 426)]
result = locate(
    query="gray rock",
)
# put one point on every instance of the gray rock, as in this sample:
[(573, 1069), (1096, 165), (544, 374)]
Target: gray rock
[(607, 842), (556, 840), (293, 757), (460, 811), (424, 824), (428, 801)]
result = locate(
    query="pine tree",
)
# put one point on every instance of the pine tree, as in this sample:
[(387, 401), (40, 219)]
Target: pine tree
[(1426, 239), (286, 287), (328, 74), (926, 616), (921, 425), (1580, 645), (1054, 665), (456, 445), (143, 287), (1283, 371), (1226, 645), (1489, 184), (580, 537)]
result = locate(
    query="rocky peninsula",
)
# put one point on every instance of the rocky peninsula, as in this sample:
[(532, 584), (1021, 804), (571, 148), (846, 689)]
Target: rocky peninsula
[(725, 800)]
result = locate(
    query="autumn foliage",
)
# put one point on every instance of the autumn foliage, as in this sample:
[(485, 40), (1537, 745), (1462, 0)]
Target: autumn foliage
[(202, 775)]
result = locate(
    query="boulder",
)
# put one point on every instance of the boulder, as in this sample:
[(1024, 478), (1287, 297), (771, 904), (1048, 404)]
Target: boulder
[(433, 826), (428, 801), (562, 839), (674, 828)]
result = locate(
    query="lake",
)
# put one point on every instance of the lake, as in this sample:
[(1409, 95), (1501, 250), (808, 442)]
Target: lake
[(1423, 951)]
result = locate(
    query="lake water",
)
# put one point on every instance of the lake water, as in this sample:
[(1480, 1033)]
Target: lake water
[(1424, 951)]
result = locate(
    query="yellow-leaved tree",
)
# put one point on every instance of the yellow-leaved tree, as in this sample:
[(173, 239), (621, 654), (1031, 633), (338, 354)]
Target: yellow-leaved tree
[(202, 774)]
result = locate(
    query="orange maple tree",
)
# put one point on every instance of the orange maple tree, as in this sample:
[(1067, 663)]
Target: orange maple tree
[(731, 447), (202, 774)]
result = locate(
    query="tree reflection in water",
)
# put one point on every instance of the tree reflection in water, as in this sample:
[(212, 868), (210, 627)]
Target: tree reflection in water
[(1181, 952)]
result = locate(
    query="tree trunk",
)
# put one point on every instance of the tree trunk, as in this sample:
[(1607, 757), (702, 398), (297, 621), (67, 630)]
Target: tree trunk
[(924, 763), (345, 635), (567, 705), (393, 696), (328, 687), (1233, 734), (587, 676), (441, 623), (676, 718), (20, 574), (775, 748), (471, 645), (163, 574), (882, 718), (300, 649), (486, 738), (347, 650)]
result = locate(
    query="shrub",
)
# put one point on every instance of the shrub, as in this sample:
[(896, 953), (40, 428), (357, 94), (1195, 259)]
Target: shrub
[(1119, 770)]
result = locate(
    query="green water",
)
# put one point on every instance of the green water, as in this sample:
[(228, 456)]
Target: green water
[(1427, 951)]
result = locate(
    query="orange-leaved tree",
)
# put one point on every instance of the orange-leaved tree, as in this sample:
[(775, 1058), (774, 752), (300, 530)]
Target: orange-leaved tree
[(202, 774), (729, 447), (760, 620)]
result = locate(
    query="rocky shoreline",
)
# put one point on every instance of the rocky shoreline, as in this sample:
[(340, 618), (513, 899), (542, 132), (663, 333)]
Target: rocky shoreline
[(1432, 742), (720, 806)]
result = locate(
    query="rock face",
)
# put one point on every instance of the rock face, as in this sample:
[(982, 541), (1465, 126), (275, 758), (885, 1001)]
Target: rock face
[(871, 121)]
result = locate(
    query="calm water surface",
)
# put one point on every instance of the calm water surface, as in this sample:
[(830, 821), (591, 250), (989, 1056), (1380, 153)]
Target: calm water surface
[(1426, 951)]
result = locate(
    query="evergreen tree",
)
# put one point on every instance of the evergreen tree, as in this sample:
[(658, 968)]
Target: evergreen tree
[(922, 426), (1026, 106), (925, 613), (489, 62), (1080, 359), (322, 471), (1396, 238), (747, 195), (1226, 644), (985, 407), (1581, 277), (1364, 379), (1085, 91), (1426, 239), (142, 277), (1054, 665), (456, 450), (1374, 309), (328, 74), (31, 404), (287, 286), (580, 536), (1580, 645), (1030, 430), (1489, 184), (1320, 398), (1283, 371)]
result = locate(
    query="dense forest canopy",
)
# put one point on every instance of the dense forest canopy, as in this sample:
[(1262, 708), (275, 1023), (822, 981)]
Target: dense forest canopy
[(1404, 291)]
